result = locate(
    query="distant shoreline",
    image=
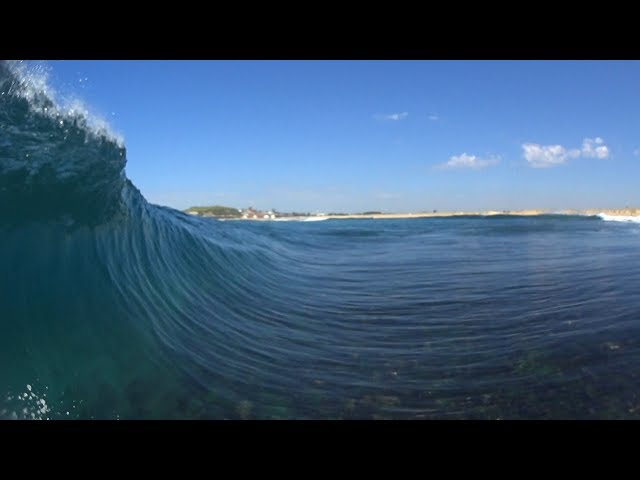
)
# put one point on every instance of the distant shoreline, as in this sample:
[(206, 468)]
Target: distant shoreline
[(630, 212)]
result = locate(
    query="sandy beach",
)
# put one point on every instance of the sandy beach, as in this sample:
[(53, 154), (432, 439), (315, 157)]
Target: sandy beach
[(633, 212), (621, 212)]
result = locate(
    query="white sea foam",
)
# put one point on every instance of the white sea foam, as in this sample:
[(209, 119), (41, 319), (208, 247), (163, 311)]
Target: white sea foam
[(33, 85), (299, 219), (618, 218)]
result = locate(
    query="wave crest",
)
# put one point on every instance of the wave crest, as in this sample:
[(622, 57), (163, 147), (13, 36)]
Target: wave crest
[(54, 164)]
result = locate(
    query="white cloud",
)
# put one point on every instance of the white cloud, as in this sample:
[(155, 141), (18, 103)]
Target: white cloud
[(391, 116), (469, 161), (594, 148), (636, 152), (434, 117), (545, 156)]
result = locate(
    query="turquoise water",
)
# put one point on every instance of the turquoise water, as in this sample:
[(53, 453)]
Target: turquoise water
[(111, 307)]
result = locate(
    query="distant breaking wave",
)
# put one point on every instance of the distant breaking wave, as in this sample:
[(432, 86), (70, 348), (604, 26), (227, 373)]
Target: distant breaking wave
[(618, 218)]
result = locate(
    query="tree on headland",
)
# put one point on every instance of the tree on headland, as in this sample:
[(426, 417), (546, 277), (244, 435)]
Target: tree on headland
[(215, 211)]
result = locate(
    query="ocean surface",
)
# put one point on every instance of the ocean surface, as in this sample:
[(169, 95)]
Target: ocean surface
[(113, 308)]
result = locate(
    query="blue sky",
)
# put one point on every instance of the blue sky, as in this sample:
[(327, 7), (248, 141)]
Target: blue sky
[(371, 135)]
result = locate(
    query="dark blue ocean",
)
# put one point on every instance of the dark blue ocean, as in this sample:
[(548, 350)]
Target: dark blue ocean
[(113, 308)]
